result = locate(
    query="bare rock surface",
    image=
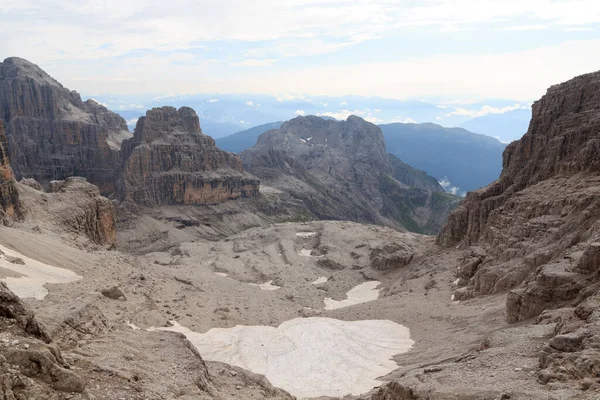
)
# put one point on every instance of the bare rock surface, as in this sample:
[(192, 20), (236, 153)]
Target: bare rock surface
[(170, 161), (73, 205), (10, 206), (52, 134), (340, 170)]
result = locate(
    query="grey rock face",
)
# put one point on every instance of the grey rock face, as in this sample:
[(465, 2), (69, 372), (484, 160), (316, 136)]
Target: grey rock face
[(170, 161), (341, 170), (53, 134)]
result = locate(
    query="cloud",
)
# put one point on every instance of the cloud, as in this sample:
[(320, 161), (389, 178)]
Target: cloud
[(343, 103), (249, 103), (291, 97), (131, 107), (537, 27), (485, 110), (166, 96), (405, 120), (344, 114), (299, 112), (445, 183), (257, 63), (132, 121), (213, 100)]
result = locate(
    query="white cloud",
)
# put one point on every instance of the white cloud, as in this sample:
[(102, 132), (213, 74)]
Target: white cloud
[(485, 110), (537, 27), (213, 100), (438, 118), (131, 107), (249, 103), (445, 183), (344, 114), (257, 63), (290, 97), (132, 121), (405, 120), (299, 112), (166, 96), (343, 103)]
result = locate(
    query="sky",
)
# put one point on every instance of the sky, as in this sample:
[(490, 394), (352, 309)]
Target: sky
[(456, 51)]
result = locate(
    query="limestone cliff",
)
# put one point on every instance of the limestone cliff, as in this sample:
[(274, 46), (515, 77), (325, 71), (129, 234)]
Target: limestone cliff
[(53, 134), (537, 229), (341, 170), (170, 161), (10, 206)]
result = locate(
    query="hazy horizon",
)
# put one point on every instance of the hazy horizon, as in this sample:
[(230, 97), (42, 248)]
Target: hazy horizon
[(454, 50)]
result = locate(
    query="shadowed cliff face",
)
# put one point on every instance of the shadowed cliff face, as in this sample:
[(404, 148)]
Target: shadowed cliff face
[(52, 133), (170, 161), (10, 206), (341, 170)]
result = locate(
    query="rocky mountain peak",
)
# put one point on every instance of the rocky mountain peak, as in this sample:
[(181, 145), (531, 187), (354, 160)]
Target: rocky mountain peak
[(52, 134), (164, 121), (19, 68), (170, 161), (341, 170)]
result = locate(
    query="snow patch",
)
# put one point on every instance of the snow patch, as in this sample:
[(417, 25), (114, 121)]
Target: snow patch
[(306, 234), (34, 275), (321, 279), (359, 294), (223, 274), (265, 286), (304, 355)]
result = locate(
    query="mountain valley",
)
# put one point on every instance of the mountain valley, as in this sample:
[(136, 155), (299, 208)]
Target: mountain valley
[(312, 265)]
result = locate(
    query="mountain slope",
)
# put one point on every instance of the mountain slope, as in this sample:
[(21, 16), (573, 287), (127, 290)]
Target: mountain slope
[(340, 170), (243, 140), (468, 160)]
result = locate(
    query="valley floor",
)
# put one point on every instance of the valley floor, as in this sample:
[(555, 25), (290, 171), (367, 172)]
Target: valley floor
[(267, 276)]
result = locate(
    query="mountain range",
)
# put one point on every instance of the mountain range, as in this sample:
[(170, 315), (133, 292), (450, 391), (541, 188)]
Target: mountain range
[(461, 160)]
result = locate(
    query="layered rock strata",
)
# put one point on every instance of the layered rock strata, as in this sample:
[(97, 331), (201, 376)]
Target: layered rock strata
[(53, 134), (170, 161)]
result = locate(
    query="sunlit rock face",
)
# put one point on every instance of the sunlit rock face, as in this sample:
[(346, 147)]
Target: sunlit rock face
[(170, 161), (309, 357)]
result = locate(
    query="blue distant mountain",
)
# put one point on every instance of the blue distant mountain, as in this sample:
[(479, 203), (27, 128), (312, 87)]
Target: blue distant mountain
[(243, 140), (461, 160), (505, 127)]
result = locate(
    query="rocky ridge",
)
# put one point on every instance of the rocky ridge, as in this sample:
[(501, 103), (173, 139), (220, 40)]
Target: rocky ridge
[(170, 161), (340, 170), (535, 231), (52, 134)]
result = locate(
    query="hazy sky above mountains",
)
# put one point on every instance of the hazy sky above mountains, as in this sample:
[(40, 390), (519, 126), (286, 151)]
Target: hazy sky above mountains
[(455, 50)]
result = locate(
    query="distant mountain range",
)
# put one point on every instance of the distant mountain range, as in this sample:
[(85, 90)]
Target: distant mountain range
[(461, 160), (505, 127), (243, 140)]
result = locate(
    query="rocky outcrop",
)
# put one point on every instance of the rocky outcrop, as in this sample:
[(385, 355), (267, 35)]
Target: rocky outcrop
[(30, 368), (73, 206), (340, 170), (536, 231), (53, 134), (170, 161), (10, 206)]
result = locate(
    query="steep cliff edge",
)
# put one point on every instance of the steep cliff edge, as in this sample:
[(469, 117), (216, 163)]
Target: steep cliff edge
[(170, 161), (10, 206), (536, 231), (53, 134), (341, 170)]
